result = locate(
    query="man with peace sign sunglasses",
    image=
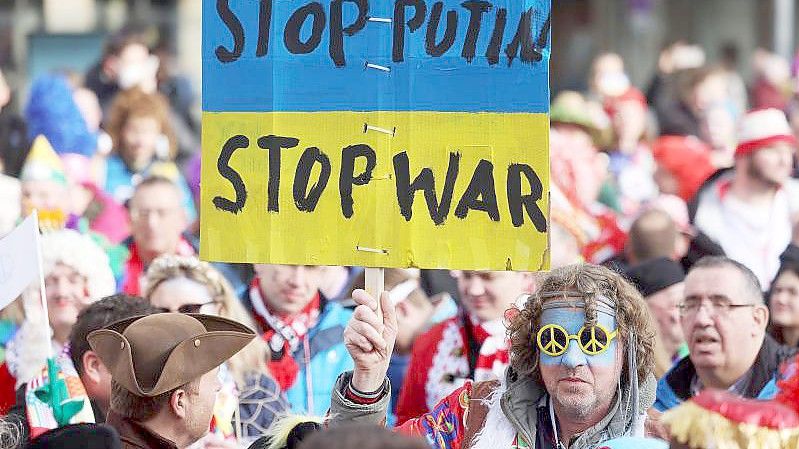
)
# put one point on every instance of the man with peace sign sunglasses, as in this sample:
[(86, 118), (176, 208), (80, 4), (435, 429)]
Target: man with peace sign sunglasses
[(580, 373)]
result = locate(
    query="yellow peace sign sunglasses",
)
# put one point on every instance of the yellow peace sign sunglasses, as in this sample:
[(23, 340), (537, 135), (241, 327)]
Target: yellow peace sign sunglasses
[(553, 339)]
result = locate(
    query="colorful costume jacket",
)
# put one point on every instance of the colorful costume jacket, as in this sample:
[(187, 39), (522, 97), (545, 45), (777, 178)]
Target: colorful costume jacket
[(454, 422), (439, 363), (493, 415)]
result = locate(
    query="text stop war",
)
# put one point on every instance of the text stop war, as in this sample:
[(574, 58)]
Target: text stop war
[(523, 186)]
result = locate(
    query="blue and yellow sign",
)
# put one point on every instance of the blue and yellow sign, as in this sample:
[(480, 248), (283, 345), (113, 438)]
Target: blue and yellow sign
[(392, 133)]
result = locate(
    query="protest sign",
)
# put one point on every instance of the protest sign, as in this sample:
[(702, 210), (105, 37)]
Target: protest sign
[(403, 133), (19, 263)]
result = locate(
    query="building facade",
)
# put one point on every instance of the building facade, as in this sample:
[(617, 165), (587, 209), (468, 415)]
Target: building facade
[(41, 35)]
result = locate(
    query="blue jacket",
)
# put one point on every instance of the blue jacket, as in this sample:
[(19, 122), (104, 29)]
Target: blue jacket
[(328, 357), (675, 386)]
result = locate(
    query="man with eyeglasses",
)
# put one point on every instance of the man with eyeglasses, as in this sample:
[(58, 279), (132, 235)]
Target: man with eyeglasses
[(724, 320), (580, 371)]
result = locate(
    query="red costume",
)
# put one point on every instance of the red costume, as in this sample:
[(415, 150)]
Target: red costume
[(135, 270), (448, 355)]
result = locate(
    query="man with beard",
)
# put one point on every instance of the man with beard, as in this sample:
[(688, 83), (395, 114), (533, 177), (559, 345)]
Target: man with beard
[(579, 375), (749, 211), (724, 320)]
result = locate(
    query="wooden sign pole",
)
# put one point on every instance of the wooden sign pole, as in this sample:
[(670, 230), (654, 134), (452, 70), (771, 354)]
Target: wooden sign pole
[(375, 285)]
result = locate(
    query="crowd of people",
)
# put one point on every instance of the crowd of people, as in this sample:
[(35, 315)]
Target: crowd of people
[(672, 306)]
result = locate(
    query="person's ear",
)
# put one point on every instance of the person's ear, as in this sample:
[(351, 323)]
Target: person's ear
[(111, 65), (179, 403), (402, 309), (630, 254), (681, 246), (760, 314), (92, 366)]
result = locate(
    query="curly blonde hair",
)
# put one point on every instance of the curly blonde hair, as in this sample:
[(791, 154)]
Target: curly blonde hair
[(250, 360), (632, 315), (82, 254), (135, 103)]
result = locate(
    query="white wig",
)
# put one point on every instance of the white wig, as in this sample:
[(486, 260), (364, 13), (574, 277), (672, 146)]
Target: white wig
[(80, 253)]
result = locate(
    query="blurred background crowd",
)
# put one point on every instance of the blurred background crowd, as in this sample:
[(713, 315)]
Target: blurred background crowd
[(673, 129)]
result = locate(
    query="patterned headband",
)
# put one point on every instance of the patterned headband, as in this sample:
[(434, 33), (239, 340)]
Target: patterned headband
[(561, 299)]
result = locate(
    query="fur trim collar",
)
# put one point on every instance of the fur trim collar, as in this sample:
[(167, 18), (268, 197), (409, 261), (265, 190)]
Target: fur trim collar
[(497, 432)]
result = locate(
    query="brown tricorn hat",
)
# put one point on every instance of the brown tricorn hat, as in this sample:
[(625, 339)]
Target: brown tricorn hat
[(153, 354)]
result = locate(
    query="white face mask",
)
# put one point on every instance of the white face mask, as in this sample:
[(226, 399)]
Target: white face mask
[(162, 148), (136, 75)]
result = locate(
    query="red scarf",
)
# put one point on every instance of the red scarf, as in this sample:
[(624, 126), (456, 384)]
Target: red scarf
[(446, 366), (135, 269), (493, 355), (293, 333)]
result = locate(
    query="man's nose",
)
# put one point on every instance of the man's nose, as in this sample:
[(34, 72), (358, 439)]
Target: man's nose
[(152, 220), (704, 315), (297, 275), (58, 288), (574, 356), (475, 286)]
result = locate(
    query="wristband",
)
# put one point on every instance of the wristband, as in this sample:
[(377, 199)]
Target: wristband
[(364, 398)]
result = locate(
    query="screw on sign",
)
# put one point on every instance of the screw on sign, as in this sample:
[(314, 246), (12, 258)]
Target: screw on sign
[(397, 133)]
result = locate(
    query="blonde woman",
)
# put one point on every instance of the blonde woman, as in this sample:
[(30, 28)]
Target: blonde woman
[(187, 285)]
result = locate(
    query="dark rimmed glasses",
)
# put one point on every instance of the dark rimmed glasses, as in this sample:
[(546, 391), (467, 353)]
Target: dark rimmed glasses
[(717, 306)]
